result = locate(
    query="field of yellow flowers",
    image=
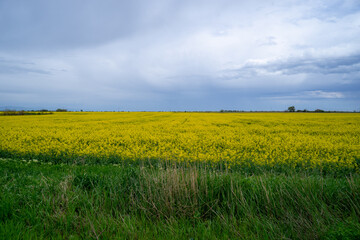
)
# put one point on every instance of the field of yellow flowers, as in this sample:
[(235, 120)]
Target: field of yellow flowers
[(295, 140)]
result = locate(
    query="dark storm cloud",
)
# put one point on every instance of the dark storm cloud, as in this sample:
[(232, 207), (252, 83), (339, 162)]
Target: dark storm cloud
[(58, 25), (169, 55), (42, 24), (328, 65), (335, 77), (320, 65)]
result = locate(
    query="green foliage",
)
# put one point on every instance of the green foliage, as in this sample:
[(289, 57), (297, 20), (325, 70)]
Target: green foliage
[(291, 109), (343, 231), (163, 200)]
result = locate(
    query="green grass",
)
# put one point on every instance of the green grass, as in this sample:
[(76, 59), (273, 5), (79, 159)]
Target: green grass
[(167, 201)]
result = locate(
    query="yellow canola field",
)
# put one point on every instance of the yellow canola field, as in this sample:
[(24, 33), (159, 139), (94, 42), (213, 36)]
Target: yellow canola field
[(308, 140)]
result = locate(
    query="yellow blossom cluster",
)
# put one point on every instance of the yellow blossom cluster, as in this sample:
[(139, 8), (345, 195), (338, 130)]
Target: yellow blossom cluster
[(309, 140)]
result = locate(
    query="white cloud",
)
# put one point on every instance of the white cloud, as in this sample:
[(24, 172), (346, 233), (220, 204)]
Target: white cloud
[(164, 48), (322, 94)]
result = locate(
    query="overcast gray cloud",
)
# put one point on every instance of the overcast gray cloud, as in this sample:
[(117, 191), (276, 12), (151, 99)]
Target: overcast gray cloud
[(180, 55)]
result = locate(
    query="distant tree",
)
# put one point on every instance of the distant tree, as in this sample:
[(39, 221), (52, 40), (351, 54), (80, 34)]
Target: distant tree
[(291, 109), (319, 110), (61, 110)]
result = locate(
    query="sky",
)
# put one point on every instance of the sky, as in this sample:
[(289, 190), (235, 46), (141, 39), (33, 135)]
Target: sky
[(188, 55)]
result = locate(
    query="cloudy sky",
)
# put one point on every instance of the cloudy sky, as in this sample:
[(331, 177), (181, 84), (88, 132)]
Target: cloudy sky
[(180, 55)]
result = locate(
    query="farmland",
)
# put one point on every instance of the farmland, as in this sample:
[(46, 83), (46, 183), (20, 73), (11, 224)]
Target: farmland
[(180, 175), (308, 141)]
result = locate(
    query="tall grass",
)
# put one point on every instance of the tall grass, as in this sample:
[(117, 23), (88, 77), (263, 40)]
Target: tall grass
[(173, 201)]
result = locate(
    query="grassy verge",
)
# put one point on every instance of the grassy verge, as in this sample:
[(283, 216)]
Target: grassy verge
[(40, 200)]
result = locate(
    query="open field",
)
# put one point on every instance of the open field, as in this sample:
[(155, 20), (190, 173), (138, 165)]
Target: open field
[(329, 142), (180, 176)]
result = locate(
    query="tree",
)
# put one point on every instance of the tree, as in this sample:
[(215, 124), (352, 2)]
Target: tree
[(291, 109)]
